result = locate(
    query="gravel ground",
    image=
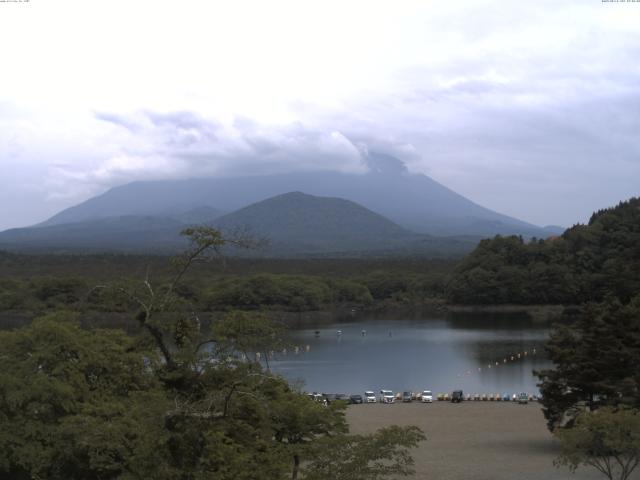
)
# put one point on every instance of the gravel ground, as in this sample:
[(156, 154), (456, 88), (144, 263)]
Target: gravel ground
[(474, 440)]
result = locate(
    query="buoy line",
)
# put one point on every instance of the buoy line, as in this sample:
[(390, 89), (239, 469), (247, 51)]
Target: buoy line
[(505, 360)]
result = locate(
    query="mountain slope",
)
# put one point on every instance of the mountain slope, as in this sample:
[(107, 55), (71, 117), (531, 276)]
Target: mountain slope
[(129, 233), (295, 224), (413, 201), (198, 215), (299, 222)]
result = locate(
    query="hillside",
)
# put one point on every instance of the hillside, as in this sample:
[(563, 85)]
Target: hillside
[(586, 263), (295, 224), (413, 201), (128, 233), (298, 218), (298, 223)]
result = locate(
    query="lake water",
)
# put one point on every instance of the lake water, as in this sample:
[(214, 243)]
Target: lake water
[(439, 354)]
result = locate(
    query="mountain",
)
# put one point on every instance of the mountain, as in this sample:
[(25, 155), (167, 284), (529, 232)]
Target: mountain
[(413, 201), (198, 215), (297, 216), (298, 223), (128, 233), (295, 224)]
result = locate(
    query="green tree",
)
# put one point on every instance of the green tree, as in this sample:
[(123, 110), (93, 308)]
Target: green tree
[(252, 335), (96, 404), (587, 263), (607, 440), (365, 457), (596, 361), (76, 404)]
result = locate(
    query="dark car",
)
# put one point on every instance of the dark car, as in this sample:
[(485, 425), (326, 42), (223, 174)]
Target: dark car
[(406, 396), (457, 396), (355, 399)]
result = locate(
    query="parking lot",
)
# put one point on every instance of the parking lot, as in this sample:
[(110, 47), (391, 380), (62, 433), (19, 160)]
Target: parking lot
[(473, 440)]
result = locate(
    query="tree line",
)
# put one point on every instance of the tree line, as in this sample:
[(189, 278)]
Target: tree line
[(585, 263), (256, 291)]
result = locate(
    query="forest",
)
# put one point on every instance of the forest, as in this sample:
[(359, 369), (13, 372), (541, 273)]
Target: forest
[(586, 263), (177, 389), (33, 285)]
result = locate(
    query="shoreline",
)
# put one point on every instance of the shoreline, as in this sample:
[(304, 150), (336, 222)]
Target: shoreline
[(535, 313), (342, 313)]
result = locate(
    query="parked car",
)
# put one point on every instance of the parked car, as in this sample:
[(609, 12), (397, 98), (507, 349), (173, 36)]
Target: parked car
[(369, 397), (342, 397), (457, 396), (355, 399), (427, 396), (523, 398), (387, 396), (406, 397)]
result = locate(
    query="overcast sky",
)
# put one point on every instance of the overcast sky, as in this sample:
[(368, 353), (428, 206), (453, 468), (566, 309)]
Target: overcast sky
[(529, 108)]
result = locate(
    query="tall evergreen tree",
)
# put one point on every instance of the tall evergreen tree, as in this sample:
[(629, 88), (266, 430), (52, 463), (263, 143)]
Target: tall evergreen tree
[(596, 361)]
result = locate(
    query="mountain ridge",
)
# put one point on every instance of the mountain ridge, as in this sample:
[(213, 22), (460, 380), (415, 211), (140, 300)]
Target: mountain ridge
[(413, 201), (295, 223)]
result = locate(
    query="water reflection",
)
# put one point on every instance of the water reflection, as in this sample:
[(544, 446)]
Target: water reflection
[(441, 354)]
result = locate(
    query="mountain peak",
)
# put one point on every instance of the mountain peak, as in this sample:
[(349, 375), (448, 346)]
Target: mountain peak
[(297, 222), (293, 195), (385, 164)]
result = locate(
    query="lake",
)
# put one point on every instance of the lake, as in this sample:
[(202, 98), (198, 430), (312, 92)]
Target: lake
[(475, 353)]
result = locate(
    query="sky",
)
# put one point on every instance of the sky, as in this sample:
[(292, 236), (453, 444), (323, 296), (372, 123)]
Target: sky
[(531, 108)]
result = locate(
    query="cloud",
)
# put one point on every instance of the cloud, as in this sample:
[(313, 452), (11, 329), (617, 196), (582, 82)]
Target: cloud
[(184, 144), (527, 108)]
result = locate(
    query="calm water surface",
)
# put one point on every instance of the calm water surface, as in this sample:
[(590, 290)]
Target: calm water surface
[(440, 354)]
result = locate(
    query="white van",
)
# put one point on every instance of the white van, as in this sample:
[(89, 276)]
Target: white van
[(387, 396)]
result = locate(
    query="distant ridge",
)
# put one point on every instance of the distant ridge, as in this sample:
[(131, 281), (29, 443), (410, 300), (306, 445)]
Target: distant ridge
[(413, 201), (204, 214), (127, 233), (295, 224)]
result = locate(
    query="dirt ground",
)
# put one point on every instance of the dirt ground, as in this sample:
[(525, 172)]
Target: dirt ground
[(474, 440)]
